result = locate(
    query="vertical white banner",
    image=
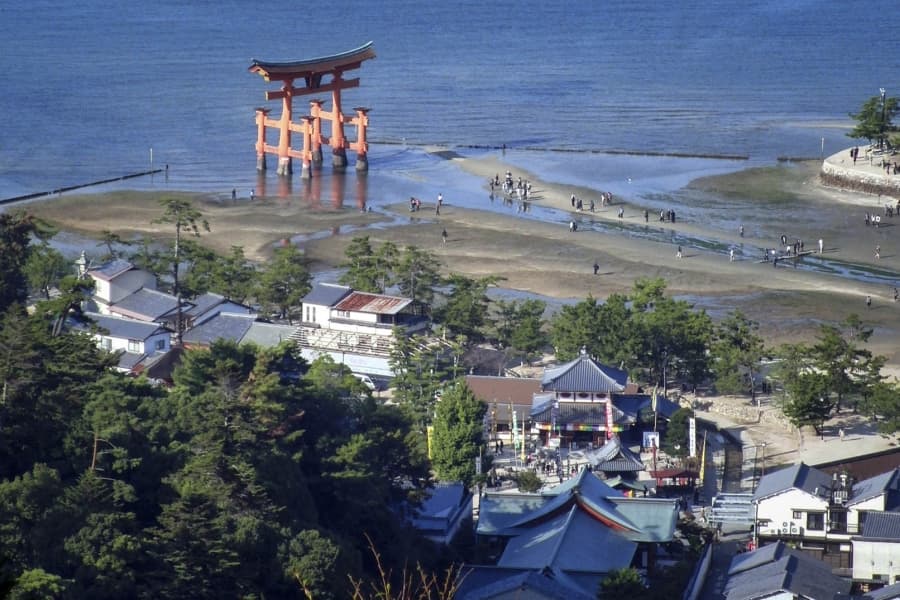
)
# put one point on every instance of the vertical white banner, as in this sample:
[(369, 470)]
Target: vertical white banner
[(692, 437)]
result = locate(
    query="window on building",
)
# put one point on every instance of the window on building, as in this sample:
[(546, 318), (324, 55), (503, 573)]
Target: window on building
[(106, 343), (134, 345), (343, 314), (313, 311), (815, 521), (160, 345), (798, 514)]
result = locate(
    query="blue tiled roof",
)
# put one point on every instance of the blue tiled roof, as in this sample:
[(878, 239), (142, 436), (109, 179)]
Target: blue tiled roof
[(571, 541), (882, 526), (326, 294), (486, 582), (584, 374), (776, 568), (888, 592), (873, 486), (799, 476), (150, 305)]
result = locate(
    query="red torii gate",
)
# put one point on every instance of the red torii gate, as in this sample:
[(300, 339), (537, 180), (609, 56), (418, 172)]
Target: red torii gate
[(311, 72)]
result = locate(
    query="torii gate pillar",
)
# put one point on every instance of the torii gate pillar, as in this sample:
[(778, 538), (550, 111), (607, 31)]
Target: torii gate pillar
[(311, 73)]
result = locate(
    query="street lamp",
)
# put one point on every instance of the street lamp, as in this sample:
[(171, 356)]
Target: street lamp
[(883, 107)]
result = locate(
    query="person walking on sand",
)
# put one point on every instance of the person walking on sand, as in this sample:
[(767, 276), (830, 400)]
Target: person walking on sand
[(572, 226), (233, 194), (678, 253), (646, 216), (868, 301), (821, 245), (877, 252), (573, 200), (731, 255), (742, 231), (621, 212), (841, 433), (596, 268), (252, 195), (444, 236)]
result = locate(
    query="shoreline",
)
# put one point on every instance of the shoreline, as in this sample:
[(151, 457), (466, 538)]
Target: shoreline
[(537, 253)]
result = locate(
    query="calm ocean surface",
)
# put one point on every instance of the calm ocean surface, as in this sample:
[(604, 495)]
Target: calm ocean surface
[(90, 87)]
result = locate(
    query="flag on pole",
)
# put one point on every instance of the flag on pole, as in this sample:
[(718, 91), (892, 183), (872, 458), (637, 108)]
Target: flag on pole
[(703, 459), (515, 430), (609, 419)]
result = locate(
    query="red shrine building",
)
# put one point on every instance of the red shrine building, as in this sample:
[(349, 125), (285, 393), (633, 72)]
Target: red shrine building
[(321, 126)]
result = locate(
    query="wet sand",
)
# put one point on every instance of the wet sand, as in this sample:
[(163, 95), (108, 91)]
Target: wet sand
[(543, 257)]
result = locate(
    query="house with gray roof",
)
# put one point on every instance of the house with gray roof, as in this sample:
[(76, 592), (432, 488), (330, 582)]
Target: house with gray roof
[(581, 528), (777, 572), (135, 341), (356, 328), (116, 280), (820, 512), (876, 551)]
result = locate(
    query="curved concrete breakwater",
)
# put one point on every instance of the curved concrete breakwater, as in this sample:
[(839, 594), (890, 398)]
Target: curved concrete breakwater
[(870, 173)]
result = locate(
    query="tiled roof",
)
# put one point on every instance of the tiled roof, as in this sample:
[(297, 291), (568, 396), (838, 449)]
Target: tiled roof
[(776, 568), (267, 335), (110, 270), (584, 374), (888, 592), (326, 294), (224, 326), (881, 526), (614, 457), (572, 541), (122, 328), (146, 305), (482, 582), (654, 518), (799, 476), (518, 390), (203, 303), (373, 303), (585, 413), (874, 486)]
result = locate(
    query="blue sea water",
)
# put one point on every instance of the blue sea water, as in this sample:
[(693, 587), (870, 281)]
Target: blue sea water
[(89, 88)]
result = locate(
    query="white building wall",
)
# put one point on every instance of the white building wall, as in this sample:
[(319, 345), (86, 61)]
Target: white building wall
[(128, 283), (876, 558), (316, 313), (362, 317), (779, 511), (876, 503), (147, 346)]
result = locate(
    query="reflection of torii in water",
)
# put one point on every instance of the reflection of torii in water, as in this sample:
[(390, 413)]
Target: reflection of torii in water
[(312, 72)]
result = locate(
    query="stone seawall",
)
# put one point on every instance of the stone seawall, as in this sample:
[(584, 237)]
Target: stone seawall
[(862, 177)]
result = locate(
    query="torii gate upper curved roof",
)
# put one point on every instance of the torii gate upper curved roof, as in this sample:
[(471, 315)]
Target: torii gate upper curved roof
[(344, 61)]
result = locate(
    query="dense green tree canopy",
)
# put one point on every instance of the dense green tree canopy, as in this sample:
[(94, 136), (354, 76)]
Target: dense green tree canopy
[(284, 283), (875, 119), (457, 434)]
